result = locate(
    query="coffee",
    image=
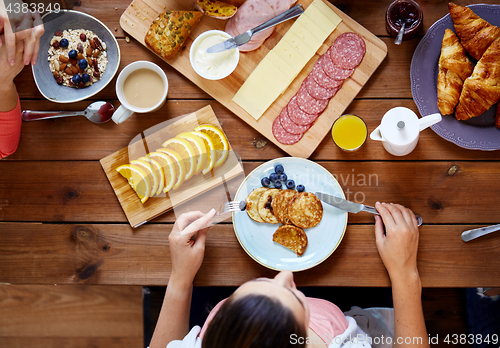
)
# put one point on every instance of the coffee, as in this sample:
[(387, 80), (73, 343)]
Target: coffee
[(143, 88)]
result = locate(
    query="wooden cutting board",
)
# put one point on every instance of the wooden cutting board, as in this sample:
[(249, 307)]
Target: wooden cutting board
[(138, 213), (138, 17)]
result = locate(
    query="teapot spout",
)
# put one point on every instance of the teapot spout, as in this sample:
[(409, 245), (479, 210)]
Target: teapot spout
[(429, 120), (377, 135)]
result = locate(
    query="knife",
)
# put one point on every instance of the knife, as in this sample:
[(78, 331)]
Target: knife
[(478, 232), (246, 36), (352, 207)]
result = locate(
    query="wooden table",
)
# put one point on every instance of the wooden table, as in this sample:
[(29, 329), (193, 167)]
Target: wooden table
[(61, 222)]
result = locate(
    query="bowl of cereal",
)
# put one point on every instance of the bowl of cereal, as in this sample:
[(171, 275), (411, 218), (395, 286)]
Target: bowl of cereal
[(78, 57)]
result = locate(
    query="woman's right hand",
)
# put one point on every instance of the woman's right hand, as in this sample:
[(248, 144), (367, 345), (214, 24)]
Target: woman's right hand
[(398, 245)]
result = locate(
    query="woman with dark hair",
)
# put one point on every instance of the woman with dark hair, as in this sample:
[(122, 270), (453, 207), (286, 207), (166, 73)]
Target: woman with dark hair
[(272, 313)]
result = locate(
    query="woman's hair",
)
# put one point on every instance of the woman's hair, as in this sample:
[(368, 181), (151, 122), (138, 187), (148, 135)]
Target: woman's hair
[(253, 321)]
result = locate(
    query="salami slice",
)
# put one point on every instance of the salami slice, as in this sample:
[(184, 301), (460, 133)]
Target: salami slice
[(316, 91), (309, 104), (282, 135), (348, 51), (333, 71), (289, 125), (298, 116), (321, 77)]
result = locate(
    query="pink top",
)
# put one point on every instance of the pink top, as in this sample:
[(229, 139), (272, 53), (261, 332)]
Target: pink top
[(10, 130), (327, 320)]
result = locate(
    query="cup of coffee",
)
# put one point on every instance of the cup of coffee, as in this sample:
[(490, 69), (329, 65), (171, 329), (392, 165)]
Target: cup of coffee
[(141, 87)]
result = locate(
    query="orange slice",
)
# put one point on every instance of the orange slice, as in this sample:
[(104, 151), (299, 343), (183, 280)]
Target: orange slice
[(137, 179), (220, 142), (168, 167), (200, 149), (158, 172), (209, 145), (180, 171), (187, 153), (148, 168)]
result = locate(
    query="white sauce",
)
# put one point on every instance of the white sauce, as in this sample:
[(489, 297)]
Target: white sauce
[(214, 64)]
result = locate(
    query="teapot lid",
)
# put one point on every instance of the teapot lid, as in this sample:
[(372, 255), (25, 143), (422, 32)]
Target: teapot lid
[(400, 126)]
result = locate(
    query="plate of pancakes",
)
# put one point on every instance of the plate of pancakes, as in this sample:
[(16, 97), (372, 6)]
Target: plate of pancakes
[(284, 229)]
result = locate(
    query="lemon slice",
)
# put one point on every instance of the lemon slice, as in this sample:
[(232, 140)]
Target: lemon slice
[(148, 168), (158, 172), (200, 149), (137, 178), (186, 151), (168, 167), (209, 145), (180, 171), (220, 142)]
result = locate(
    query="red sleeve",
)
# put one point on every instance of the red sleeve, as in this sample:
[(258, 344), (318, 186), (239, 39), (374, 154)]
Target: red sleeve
[(10, 130)]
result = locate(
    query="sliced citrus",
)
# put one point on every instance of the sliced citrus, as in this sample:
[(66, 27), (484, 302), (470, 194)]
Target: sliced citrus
[(220, 142), (137, 178), (186, 151), (168, 169), (209, 145), (180, 171), (148, 168), (200, 149), (158, 171)]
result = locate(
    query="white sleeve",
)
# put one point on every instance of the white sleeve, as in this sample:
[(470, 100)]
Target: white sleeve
[(190, 341), (352, 337)]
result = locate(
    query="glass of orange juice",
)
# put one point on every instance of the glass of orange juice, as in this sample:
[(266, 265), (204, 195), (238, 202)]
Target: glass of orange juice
[(349, 132)]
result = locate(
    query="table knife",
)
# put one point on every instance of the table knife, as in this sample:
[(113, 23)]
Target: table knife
[(478, 232), (246, 36), (352, 207)]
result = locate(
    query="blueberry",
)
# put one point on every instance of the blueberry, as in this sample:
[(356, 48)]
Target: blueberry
[(300, 188), (290, 184), (83, 64), (274, 177), (283, 177), (64, 43), (72, 54), (85, 78), (277, 184), (265, 181), (76, 79), (279, 169)]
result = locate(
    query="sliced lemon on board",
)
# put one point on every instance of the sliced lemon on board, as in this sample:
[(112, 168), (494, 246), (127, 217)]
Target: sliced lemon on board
[(187, 153), (209, 145), (180, 171), (148, 168), (137, 178), (220, 142), (200, 149), (158, 171), (168, 167)]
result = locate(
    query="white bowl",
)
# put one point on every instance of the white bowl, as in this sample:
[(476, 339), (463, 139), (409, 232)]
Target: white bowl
[(235, 56)]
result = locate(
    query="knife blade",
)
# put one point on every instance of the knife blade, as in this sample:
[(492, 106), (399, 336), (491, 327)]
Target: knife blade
[(246, 36), (478, 232)]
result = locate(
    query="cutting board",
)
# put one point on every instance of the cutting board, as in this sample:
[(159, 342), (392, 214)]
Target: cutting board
[(138, 17), (138, 213)]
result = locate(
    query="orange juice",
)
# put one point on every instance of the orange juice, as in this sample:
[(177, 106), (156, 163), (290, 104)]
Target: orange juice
[(349, 132)]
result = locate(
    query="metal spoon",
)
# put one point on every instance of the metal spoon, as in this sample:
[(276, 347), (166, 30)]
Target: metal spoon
[(478, 232), (97, 112), (399, 38)]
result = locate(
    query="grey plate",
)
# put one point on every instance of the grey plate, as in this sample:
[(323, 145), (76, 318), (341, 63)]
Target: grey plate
[(478, 133), (41, 71)]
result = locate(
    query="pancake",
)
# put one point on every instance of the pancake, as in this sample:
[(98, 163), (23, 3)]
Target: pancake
[(280, 205), (252, 203), (292, 237), (265, 206), (305, 210)]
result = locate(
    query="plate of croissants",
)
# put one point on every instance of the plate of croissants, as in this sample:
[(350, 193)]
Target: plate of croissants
[(455, 70)]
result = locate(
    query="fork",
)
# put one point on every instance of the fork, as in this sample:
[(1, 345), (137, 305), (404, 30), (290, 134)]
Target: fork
[(231, 206)]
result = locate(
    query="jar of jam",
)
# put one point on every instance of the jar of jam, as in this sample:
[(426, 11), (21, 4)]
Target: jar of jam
[(404, 11)]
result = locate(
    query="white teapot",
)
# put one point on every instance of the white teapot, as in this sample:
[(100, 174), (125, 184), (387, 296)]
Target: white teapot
[(400, 129)]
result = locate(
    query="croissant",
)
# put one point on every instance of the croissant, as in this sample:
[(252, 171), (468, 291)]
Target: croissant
[(454, 68), (475, 33), (482, 89)]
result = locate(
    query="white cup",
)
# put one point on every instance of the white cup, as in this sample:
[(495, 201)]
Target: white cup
[(126, 109)]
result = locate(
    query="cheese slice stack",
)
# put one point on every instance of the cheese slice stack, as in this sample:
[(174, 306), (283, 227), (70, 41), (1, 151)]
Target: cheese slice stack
[(280, 66)]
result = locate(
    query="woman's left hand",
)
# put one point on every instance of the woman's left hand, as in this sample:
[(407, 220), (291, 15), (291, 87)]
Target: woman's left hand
[(187, 254)]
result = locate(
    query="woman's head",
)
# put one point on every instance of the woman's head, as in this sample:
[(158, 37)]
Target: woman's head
[(261, 313)]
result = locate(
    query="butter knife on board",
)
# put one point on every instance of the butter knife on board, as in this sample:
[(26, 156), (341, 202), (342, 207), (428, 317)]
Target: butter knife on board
[(478, 232)]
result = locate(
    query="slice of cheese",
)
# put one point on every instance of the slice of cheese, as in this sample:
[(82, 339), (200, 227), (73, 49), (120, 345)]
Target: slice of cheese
[(305, 50), (306, 36), (327, 11), (290, 55), (319, 18), (309, 24), (280, 64)]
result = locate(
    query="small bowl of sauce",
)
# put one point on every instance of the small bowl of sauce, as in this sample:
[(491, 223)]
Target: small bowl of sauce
[(213, 66), (404, 11)]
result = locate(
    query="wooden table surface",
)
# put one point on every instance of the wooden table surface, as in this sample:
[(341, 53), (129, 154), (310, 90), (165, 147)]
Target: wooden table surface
[(61, 223)]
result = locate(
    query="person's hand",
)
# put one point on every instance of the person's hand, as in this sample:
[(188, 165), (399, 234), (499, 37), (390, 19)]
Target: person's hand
[(187, 254), (7, 71), (398, 246)]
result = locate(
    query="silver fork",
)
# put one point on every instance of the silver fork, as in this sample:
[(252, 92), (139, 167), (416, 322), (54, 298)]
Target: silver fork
[(231, 206)]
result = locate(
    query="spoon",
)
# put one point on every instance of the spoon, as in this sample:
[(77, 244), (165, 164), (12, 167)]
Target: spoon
[(399, 38), (97, 112)]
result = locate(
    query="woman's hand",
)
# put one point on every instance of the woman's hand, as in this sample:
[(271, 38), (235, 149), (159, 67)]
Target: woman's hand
[(187, 254), (398, 246)]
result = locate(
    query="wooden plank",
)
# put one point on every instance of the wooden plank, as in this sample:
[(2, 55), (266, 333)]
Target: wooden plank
[(118, 254), (79, 315), (79, 191), (77, 139)]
